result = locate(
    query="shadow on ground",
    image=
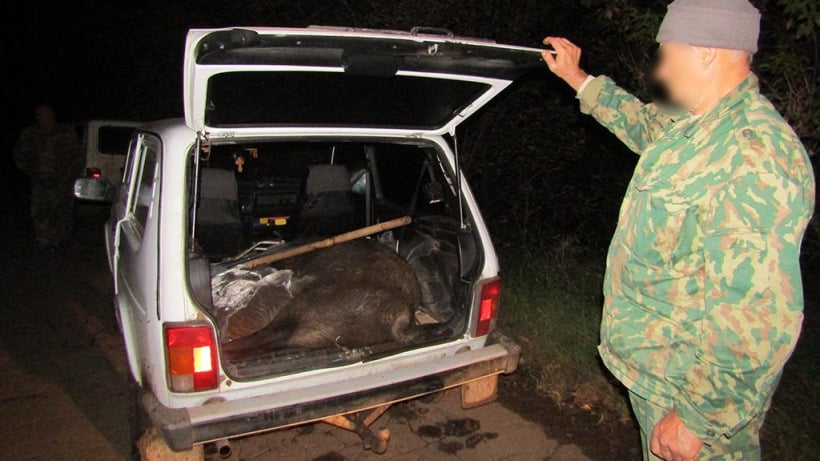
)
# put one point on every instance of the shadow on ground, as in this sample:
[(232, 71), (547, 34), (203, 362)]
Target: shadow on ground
[(56, 325)]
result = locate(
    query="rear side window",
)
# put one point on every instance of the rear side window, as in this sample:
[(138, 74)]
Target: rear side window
[(146, 179), (400, 171), (113, 140), (412, 179)]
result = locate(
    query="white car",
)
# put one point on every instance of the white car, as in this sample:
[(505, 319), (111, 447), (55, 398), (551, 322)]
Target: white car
[(106, 144), (291, 136)]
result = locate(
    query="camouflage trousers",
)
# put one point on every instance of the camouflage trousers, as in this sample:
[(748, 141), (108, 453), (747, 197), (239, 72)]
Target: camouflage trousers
[(52, 213), (744, 445)]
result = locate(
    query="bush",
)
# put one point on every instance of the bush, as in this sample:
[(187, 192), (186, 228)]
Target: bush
[(552, 307)]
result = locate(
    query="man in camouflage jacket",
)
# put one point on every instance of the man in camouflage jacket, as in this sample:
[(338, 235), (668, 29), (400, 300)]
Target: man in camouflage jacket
[(703, 296), (50, 154)]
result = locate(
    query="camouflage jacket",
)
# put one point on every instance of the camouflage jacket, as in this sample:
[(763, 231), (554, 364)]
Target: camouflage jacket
[(49, 155), (703, 296)]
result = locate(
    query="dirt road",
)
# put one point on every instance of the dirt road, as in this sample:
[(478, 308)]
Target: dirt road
[(65, 395)]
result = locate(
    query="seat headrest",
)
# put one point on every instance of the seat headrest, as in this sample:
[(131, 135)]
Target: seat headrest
[(216, 183), (328, 178)]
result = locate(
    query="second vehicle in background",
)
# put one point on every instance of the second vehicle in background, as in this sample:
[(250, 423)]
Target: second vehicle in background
[(106, 145)]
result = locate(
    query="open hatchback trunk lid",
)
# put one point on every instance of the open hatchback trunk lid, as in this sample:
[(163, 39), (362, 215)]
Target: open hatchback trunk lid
[(266, 79)]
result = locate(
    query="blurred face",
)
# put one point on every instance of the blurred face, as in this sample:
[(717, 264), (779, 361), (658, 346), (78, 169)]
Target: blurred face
[(684, 71), (46, 116)]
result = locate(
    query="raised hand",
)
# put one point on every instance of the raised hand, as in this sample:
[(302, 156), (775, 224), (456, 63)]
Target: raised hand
[(566, 61)]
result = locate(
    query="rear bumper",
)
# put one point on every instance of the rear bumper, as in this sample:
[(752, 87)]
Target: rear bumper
[(184, 427)]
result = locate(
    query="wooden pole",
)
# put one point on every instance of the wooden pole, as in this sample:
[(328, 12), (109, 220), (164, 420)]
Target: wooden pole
[(328, 242)]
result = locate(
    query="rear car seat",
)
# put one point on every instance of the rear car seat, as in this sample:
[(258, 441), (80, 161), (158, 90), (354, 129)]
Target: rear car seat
[(218, 223)]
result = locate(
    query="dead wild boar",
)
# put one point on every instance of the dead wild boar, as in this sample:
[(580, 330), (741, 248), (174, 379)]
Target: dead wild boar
[(240, 307), (351, 295)]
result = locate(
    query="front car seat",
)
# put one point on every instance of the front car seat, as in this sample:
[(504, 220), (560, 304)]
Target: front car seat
[(328, 207)]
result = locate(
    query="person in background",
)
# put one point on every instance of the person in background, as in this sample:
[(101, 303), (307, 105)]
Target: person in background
[(50, 154), (703, 298)]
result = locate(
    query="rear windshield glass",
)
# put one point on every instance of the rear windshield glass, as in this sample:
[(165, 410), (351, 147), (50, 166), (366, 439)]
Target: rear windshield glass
[(335, 99), (114, 140)]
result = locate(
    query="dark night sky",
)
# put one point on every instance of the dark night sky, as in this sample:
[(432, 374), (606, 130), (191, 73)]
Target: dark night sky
[(97, 59), (118, 59)]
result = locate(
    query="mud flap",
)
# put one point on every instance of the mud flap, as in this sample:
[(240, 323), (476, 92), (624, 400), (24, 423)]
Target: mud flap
[(152, 447), (479, 392)]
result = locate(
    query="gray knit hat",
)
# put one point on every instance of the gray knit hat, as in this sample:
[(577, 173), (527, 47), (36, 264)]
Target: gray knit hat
[(730, 24)]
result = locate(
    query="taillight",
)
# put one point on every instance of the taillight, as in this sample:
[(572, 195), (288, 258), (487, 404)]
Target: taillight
[(191, 358), (93, 173), (488, 307)]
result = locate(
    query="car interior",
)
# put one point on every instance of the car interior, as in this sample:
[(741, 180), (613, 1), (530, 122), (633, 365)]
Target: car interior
[(262, 197)]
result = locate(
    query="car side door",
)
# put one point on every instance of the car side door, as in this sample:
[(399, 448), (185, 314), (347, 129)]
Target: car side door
[(119, 207), (136, 249)]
